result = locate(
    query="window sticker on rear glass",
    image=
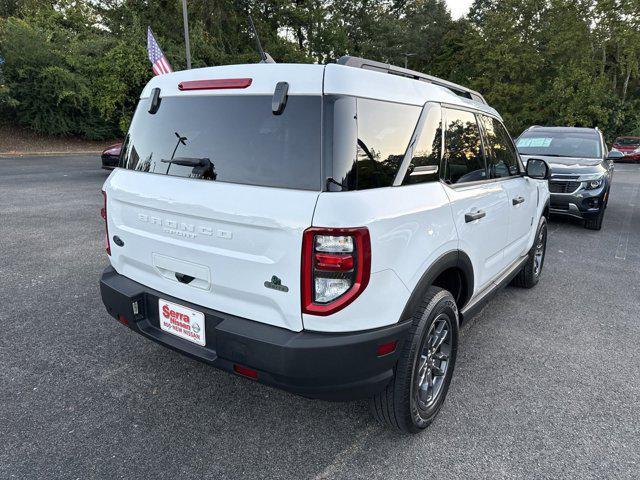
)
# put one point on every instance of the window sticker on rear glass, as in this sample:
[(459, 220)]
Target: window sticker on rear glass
[(534, 142)]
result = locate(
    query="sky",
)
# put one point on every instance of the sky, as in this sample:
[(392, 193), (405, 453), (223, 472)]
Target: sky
[(459, 7)]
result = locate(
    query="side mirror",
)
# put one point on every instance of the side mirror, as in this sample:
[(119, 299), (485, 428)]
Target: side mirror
[(615, 155), (538, 169)]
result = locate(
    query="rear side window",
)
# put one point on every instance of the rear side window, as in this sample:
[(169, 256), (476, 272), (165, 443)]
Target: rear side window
[(340, 137), (384, 131), (463, 157), (425, 161), (502, 158), (229, 138)]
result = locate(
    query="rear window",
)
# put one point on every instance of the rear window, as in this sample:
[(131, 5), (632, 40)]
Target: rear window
[(233, 139)]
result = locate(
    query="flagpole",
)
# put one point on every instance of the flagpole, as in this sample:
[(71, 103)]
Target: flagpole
[(186, 33)]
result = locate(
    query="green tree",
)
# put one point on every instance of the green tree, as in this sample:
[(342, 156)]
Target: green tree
[(423, 30), (76, 67)]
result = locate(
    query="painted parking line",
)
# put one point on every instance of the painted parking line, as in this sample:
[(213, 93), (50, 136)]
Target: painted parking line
[(623, 240)]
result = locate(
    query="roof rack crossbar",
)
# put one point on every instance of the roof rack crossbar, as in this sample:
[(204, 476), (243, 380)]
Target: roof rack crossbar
[(366, 64)]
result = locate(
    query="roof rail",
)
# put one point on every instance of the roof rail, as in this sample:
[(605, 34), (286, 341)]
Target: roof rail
[(365, 64)]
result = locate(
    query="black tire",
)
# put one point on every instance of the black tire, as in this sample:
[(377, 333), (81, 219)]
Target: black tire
[(529, 276), (405, 404)]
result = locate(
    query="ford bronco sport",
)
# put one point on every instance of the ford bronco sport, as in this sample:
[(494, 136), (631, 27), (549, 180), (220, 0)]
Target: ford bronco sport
[(323, 229)]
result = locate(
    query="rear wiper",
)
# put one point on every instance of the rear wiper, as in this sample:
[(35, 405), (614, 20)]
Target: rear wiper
[(188, 161), (202, 167)]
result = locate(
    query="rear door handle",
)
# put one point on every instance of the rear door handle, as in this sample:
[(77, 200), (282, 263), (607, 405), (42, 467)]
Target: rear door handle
[(517, 200), (470, 217)]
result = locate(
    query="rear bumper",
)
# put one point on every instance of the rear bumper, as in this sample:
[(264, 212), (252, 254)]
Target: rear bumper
[(316, 365)]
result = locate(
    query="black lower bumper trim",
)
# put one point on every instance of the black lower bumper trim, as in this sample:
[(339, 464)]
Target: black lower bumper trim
[(576, 213), (585, 205), (337, 366)]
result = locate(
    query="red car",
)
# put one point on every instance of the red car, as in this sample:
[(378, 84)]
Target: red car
[(630, 146), (110, 156)]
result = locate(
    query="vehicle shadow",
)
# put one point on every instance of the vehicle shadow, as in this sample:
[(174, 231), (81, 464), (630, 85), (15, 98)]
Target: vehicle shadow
[(227, 421), (557, 222)]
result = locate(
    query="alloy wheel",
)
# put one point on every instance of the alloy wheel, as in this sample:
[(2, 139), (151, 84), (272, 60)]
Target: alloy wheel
[(433, 363), (538, 255)]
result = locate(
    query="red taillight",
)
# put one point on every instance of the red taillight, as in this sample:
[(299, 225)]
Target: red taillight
[(217, 84), (336, 265), (335, 262), (103, 214), (246, 372), (122, 319)]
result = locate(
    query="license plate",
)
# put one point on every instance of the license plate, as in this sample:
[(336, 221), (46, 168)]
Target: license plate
[(182, 322)]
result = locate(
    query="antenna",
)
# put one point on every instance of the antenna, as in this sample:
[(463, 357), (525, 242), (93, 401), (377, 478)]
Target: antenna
[(264, 56)]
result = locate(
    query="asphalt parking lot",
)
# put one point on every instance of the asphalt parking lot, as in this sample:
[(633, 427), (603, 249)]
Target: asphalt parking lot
[(547, 383)]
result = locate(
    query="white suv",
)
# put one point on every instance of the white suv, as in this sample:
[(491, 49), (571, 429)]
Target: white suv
[(323, 229)]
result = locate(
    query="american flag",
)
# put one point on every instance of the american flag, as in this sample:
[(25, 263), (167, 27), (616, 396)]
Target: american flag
[(159, 62)]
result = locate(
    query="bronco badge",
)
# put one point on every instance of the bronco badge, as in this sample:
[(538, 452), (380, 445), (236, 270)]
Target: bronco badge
[(276, 284)]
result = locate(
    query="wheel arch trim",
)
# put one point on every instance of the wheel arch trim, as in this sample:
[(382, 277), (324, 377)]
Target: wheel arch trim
[(452, 259)]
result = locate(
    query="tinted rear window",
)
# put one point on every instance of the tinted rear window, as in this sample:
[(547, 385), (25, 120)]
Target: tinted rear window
[(384, 131), (366, 140), (239, 135)]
